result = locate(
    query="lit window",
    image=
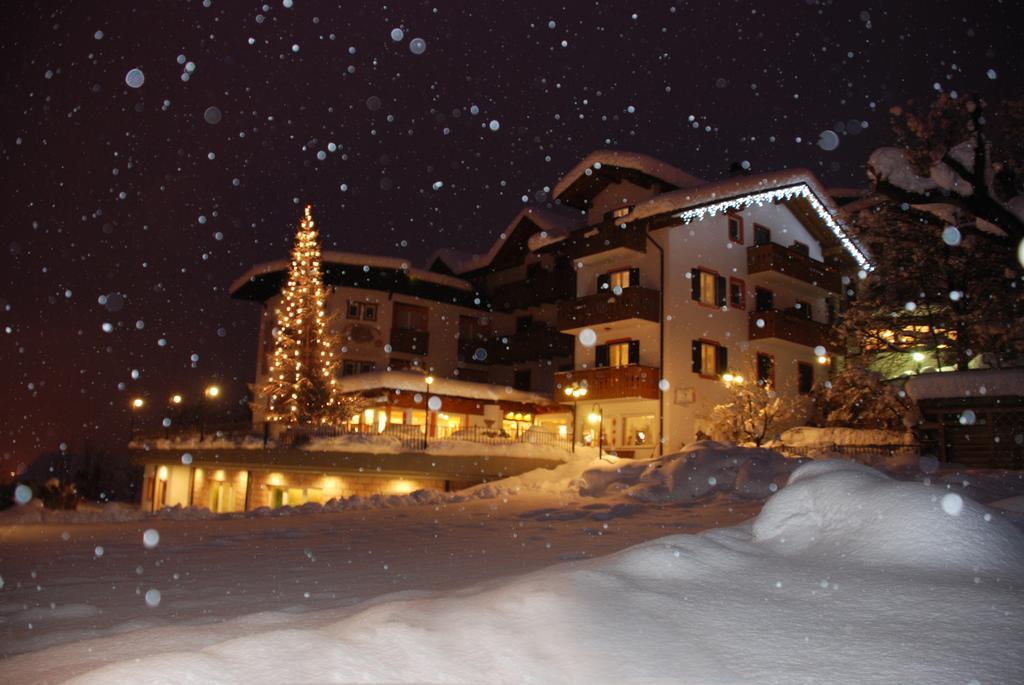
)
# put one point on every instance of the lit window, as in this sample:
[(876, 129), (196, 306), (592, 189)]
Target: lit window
[(638, 430), (621, 212), (618, 354), (618, 279), (709, 358), (707, 288)]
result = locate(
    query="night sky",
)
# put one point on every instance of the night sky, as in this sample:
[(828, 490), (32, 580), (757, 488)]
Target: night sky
[(153, 199)]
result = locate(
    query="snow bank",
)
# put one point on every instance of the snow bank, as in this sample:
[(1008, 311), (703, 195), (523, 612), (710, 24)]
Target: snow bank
[(33, 512), (700, 471), (973, 383), (847, 511), (210, 442), (356, 442), (846, 576), (812, 436)]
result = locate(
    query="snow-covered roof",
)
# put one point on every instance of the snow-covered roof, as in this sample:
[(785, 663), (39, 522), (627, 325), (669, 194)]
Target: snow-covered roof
[(645, 164), (961, 384), (356, 260), (412, 381), (550, 221), (693, 204)]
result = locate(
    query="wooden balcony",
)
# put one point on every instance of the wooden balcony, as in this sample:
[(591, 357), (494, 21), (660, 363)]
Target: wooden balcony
[(409, 341), (540, 288), (611, 383), (775, 258), (541, 342), (603, 237), (786, 325), (594, 310)]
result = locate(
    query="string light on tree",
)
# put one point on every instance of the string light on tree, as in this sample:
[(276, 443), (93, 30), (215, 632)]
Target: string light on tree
[(301, 388)]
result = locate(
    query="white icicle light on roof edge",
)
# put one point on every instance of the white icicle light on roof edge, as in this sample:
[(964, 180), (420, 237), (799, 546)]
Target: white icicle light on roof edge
[(759, 199)]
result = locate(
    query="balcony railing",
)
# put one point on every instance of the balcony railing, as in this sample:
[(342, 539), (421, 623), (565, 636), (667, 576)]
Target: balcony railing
[(546, 286), (593, 310), (786, 325), (610, 383), (409, 341), (531, 345), (783, 260)]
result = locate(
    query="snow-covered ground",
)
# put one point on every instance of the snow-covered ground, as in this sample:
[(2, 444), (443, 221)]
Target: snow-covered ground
[(846, 575)]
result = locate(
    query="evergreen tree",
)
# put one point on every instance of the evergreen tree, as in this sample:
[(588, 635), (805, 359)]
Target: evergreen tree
[(946, 294), (958, 158), (942, 228), (301, 388)]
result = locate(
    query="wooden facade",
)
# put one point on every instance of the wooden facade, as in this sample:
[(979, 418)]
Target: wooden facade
[(978, 432)]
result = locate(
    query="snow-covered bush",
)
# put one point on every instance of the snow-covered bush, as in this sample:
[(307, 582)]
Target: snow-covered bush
[(857, 398), (754, 413)]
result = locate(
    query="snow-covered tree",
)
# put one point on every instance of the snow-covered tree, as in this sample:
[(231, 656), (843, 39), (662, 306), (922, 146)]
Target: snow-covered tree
[(857, 398), (754, 413), (936, 290), (301, 387), (958, 161)]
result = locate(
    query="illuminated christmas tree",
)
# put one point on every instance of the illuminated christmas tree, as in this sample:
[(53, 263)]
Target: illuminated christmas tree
[(301, 387)]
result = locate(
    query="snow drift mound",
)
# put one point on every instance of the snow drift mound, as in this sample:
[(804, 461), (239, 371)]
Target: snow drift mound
[(844, 509), (698, 472), (708, 468), (725, 606)]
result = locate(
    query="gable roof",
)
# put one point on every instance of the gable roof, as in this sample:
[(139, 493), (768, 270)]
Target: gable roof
[(513, 241), (809, 200), (600, 168), (350, 269)]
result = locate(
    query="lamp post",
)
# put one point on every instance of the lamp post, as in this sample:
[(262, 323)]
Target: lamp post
[(429, 380), (136, 404), (174, 403), (918, 358), (576, 392), (211, 392), (597, 416)]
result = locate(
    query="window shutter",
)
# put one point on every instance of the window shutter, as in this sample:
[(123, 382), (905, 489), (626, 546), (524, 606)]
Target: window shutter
[(696, 356), (634, 277), (634, 351), (720, 290), (721, 359), (603, 283), (601, 356), (695, 283)]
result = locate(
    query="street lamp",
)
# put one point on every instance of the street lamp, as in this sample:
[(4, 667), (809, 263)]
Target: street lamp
[(212, 392), (596, 416), (174, 401), (136, 404), (918, 358), (429, 380), (576, 392)]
